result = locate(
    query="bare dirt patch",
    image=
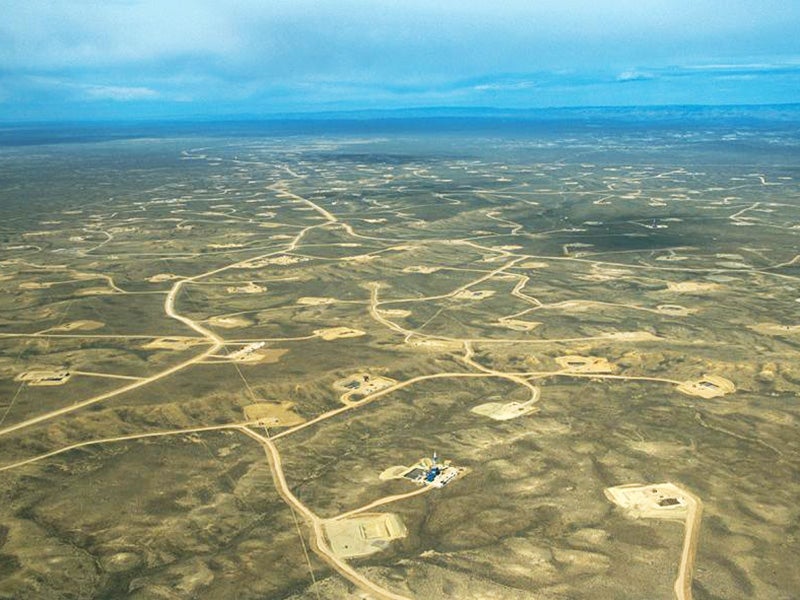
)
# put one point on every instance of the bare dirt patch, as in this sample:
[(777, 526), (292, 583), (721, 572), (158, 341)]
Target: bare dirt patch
[(94, 291), (633, 336), (534, 264), (360, 385), (248, 288), (229, 322), (435, 345), (225, 246), (334, 333), (363, 535), (585, 364), (315, 301), (654, 501), (708, 386), (397, 313), (282, 260), (161, 277), (171, 343), (690, 287), (395, 472), (34, 285), (504, 411), (473, 294), (45, 377), (257, 353), (675, 310), (273, 414)]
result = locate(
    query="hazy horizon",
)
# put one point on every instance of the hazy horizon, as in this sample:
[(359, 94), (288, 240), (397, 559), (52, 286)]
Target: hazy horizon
[(631, 113)]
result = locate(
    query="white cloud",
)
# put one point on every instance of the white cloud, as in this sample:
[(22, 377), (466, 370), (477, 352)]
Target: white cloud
[(734, 67), (632, 75), (93, 91), (504, 87), (118, 93)]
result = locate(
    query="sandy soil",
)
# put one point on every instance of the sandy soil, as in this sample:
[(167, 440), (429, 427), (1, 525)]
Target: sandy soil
[(397, 313), (94, 291), (229, 322), (362, 384), (171, 343), (688, 287), (363, 535), (500, 411), (45, 377), (334, 333), (162, 277), (708, 386), (435, 345), (675, 310), (473, 294), (248, 288), (274, 260), (273, 414), (585, 364), (260, 356), (315, 301)]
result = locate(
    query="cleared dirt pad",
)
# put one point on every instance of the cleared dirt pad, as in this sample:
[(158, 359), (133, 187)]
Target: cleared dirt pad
[(708, 386), (249, 288), (171, 343), (45, 377), (229, 322), (360, 385), (315, 301), (363, 535), (504, 411), (273, 414), (585, 364), (334, 333), (160, 277), (688, 287)]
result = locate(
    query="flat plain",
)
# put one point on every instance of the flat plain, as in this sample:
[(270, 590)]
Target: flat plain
[(222, 358)]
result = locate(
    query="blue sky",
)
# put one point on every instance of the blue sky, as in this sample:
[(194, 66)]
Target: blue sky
[(74, 59)]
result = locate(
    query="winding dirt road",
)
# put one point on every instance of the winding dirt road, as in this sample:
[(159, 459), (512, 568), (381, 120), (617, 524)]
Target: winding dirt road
[(319, 545)]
